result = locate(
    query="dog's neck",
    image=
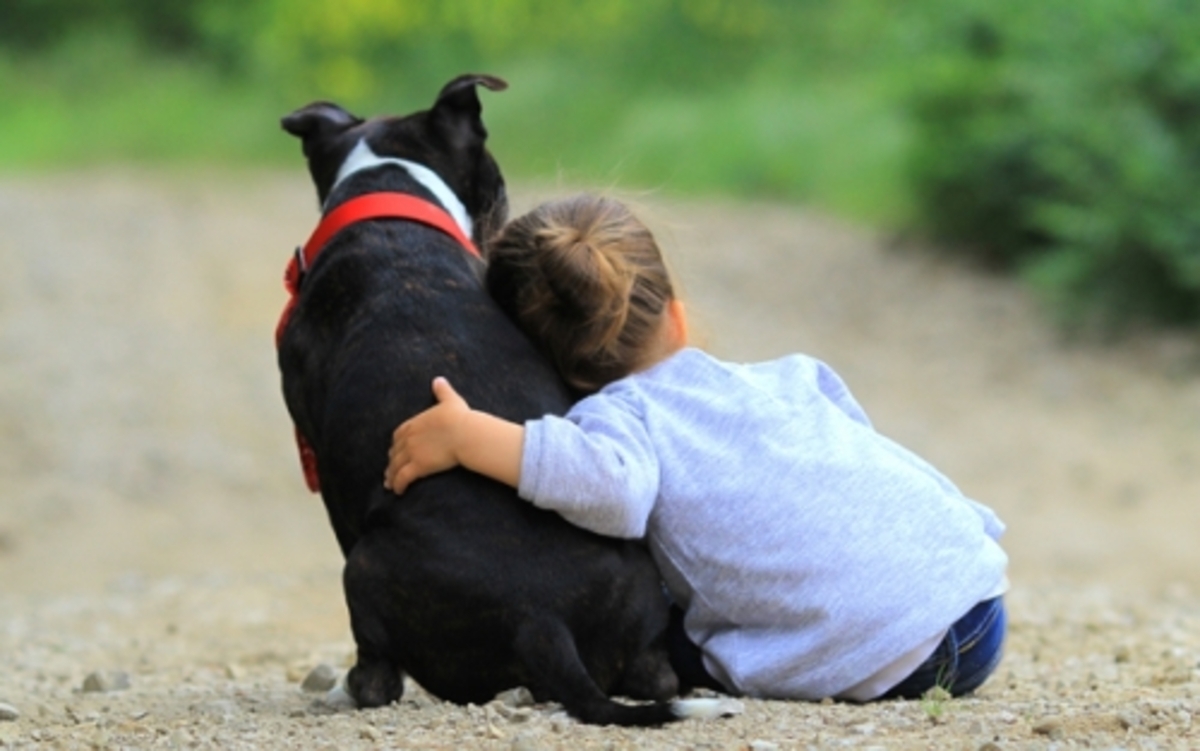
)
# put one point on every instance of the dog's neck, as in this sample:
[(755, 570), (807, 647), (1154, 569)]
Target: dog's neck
[(361, 157)]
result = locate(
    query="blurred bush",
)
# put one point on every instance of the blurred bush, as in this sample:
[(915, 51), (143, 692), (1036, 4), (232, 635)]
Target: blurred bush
[(39, 24), (750, 97), (1055, 138), (1062, 141)]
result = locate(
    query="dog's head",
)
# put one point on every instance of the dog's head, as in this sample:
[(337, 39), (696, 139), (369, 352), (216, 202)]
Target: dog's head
[(448, 138)]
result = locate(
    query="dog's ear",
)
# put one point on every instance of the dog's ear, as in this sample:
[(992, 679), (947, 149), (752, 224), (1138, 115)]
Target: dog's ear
[(318, 119), (456, 114)]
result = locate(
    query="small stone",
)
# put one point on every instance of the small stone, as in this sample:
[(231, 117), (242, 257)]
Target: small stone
[(336, 699), (296, 671), (990, 746), (864, 728), (321, 678), (370, 733), (526, 741), (1050, 727), (1174, 674), (8, 712), (234, 672), (105, 681), (1122, 654), (516, 697), (1129, 720), (760, 745), (514, 714)]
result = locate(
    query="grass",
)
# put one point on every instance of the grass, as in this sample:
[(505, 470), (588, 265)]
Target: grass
[(838, 144), (99, 100), (935, 703)]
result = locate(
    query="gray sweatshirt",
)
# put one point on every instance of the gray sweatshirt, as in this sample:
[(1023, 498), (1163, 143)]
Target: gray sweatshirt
[(807, 550)]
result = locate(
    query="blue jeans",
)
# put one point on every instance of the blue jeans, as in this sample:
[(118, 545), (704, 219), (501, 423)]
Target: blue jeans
[(965, 658), (960, 664)]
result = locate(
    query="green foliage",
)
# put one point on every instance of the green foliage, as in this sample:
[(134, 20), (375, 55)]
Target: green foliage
[(1055, 138), (1063, 142), (100, 98), (754, 97), (41, 24)]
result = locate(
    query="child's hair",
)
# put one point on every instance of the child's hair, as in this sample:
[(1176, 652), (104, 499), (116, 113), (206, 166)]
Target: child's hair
[(583, 277)]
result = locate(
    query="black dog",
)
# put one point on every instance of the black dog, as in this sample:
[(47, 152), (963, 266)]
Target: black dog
[(458, 583)]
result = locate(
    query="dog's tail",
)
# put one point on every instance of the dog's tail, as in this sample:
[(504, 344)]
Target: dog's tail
[(548, 650)]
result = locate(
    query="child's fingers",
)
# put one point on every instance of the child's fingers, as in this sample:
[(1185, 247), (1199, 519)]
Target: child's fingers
[(444, 391), (405, 476), (396, 483), (399, 476)]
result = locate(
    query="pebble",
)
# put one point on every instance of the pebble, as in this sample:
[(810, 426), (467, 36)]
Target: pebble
[(104, 681), (526, 741), (863, 728), (1050, 727), (8, 712), (296, 671), (514, 714), (321, 678), (1129, 720), (760, 745), (516, 697), (336, 699), (560, 723)]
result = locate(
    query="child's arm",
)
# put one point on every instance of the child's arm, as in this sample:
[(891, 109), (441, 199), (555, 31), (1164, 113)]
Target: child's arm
[(450, 433)]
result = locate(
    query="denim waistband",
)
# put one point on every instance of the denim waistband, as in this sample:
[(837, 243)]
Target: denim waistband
[(966, 657)]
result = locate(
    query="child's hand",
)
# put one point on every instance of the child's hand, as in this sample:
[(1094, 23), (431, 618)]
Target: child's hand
[(429, 442)]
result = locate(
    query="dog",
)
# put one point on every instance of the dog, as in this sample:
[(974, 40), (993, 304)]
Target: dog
[(458, 583)]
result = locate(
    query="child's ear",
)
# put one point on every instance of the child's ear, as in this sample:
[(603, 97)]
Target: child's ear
[(677, 315)]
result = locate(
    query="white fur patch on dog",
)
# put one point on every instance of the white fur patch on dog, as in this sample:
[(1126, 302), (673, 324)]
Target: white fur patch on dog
[(361, 157), (707, 709)]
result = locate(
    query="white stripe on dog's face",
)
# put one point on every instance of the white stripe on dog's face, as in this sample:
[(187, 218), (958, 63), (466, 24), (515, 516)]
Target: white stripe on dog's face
[(361, 157)]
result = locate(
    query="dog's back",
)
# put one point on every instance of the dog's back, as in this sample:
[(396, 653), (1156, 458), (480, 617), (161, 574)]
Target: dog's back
[(458, 582)]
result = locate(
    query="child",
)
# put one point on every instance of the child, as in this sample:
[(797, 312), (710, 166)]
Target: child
[(810, 556)]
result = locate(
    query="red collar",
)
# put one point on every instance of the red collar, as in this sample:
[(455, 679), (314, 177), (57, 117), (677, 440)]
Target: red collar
[(381, 206), (359, 209)]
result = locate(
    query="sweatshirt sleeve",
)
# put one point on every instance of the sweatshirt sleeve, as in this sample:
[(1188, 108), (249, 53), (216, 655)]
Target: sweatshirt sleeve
[(595, 467)]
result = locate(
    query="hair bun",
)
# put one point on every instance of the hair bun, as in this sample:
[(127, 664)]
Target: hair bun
[(585, 279)]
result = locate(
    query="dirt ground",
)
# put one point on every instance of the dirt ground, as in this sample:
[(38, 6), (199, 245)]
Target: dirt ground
[(154, 527)]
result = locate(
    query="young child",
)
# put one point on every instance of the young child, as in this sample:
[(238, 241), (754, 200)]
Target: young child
[(809, 555)]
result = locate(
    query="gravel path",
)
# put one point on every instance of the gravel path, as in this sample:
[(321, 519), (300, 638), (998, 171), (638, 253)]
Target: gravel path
[(167, 582)]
